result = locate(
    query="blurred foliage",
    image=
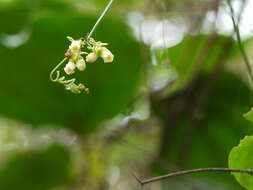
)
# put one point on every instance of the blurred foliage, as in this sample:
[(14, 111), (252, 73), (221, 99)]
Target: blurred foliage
[(206, 139), (240, 157), (37, 170), (192, 55), (198, 133), (190, 99)]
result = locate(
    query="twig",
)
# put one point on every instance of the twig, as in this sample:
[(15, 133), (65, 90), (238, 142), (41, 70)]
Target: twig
[(100, 18), (137, 179), (200, 170), (238, 36)]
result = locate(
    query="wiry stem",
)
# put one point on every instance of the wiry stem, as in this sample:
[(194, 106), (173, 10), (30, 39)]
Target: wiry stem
[(100, 18), (200, 170), (238, 36)]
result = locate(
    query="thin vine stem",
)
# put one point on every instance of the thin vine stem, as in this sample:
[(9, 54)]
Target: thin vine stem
[(100, 18), (200, 170), (241, 47)]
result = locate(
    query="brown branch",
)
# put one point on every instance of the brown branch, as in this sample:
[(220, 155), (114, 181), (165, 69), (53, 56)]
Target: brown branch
[(200, 170)]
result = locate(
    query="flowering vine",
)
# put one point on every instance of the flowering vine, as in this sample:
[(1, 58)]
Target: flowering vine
[(76, 61)]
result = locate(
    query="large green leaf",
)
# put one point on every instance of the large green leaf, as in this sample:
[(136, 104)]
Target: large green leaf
[(27, 93), (241, 157), (41, 170)]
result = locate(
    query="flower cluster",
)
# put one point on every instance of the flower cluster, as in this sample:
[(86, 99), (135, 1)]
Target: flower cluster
[(74, 56)]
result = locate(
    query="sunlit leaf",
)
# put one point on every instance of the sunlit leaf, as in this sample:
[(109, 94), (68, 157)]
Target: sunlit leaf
[(249, 115), (241, 157)]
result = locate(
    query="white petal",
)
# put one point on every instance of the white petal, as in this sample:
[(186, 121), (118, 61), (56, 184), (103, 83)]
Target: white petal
[(75, 45)]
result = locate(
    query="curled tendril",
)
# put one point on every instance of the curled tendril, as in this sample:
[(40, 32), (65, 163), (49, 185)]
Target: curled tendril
[(58, 72), (69, 84)]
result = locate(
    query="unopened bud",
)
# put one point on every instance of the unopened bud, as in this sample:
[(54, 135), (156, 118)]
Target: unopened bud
[(107, 55), (81, 65), (91, 57)]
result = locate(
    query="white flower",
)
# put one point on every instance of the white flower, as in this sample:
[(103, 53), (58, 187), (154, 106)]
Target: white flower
[(81, 65), (107, 55), (70, 68), (91, 57), (75, 46)]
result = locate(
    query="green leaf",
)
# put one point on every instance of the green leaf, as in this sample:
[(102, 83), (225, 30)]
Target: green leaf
[(249, 115), (28, 95), (41, 170), (241, 157)]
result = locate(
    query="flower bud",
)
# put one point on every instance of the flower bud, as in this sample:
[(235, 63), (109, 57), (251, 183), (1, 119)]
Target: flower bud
[(75, 46), (70, 68), (107, 55), (91, 57), (81, 65)]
